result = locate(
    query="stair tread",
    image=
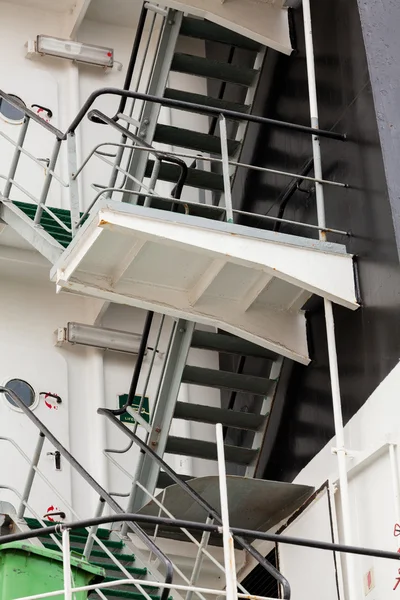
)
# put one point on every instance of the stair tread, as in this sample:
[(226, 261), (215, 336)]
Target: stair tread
[(212, 69), (95, 552), (196, 177), (113, 567), (229, 344), (206, 30), (227, 380), (213, 415), (187, 138), (205, 100), (208, 450), (101, 533)]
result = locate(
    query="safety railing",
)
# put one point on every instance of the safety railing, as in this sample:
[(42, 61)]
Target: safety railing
[(124, 152), (210, 511), (228, 535), (106, 497)]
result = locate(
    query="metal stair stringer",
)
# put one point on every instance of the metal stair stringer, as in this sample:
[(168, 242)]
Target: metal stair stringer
[(36, 235)]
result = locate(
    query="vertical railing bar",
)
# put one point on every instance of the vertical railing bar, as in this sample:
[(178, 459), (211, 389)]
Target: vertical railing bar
[(225, 168), (73, 183), (198, 563), (229, 549), (329, 319), (15, 159), (47, 181), (153, 179), (66, 564), (93, 530), (31, 476)]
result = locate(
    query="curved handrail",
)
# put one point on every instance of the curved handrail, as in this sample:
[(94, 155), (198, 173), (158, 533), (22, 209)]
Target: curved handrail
[(199, 500), (32, 115), (95, 485)]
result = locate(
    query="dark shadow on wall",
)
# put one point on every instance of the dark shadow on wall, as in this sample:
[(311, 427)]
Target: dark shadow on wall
[(368, 340)]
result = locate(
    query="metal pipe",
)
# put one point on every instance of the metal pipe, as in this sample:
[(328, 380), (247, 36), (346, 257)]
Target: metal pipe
[(93, 530), (219, 208), (138, 364), (195, 525), (66, 564), (329, 320), (199, 559), (395, 480), (15, 159), (229, 549), (225, 169), (31, 476), (153, 179), (198, 108), (47, 181)]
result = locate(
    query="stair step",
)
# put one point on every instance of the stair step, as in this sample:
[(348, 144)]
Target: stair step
[(146, 587), (213, 415), (122, 593), (196, 178), (186, 138), (48, 223), (164, 480), (206, 30), (208, 450), (95, 552), (205, 100), (136, 571), (229, 344), (227, 380), (108, 543), (212, 69), (101, 533)]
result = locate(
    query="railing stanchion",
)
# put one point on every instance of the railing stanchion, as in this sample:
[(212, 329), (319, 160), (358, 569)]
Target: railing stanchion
[(15, 158), (73, 183), (93, 530), (66, 564), (225, 168), (47, 181), (31, 476), (229, 548)]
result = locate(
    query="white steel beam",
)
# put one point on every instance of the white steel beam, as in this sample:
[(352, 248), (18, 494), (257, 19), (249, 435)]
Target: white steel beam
[(255, 290), (206, 280), (74, 18)]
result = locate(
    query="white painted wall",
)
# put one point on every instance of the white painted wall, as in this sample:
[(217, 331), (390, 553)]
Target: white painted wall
[(375, 508)]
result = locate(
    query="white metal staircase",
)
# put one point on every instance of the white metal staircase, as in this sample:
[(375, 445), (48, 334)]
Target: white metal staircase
[(188, 258)]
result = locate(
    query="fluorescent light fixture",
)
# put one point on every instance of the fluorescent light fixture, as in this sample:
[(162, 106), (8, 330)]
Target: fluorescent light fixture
[(101, 337), (85, 53)]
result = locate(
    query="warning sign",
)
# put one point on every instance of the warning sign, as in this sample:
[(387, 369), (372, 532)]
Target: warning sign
[(145, 411)]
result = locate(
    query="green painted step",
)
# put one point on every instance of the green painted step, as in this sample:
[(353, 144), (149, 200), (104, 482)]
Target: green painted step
[(103, 534), (213, 69), (186, 138), (137, 571), (122, 593), (109, 543), (95, 552), (205, 100), (205, 30), (48, 223), (196, 178)]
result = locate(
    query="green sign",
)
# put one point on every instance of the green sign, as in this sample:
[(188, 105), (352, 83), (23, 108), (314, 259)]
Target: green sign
[(145, 411)]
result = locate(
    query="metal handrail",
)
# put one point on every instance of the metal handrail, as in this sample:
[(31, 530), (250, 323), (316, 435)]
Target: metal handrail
[(199, 500), (32, 115), (94, 485), (276, 538), (199, 108)]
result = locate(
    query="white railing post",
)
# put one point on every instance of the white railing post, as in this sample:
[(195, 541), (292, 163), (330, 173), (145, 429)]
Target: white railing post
[(66, 564), (225, 168), (229, 549), (329, 320)]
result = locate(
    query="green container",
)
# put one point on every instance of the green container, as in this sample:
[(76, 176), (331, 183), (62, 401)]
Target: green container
[(26, 570)]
